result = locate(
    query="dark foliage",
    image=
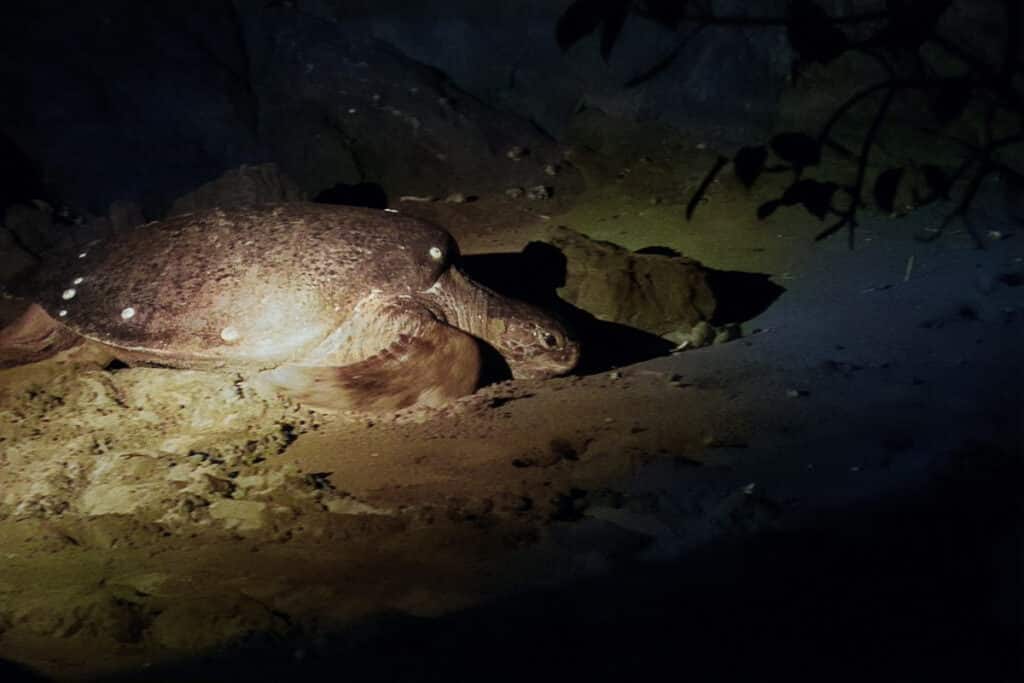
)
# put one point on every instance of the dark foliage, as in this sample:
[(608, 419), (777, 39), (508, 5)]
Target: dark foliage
[(938, 183), (896, 43), (702, 190), (813, 195), (897, 38), (798, 149), (749, 163), (812, 34), (886, 184), (951, 99)]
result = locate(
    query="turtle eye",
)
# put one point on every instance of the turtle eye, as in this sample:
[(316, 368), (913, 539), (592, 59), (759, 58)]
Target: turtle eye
[(549, 340)]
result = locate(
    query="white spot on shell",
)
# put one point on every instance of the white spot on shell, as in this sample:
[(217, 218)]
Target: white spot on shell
[(68, 293), (62, 312), (78, 281), (83, 254), (229, 334), (436, 253), (128, 313)]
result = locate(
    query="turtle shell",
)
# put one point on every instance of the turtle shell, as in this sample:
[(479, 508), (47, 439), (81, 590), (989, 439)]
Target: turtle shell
[(248, 286)]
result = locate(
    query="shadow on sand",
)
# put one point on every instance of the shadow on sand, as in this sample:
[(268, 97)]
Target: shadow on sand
[(535, 274)]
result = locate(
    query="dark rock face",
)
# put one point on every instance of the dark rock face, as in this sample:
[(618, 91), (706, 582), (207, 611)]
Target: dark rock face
[(242, 186), (123, 100), (340, 107)]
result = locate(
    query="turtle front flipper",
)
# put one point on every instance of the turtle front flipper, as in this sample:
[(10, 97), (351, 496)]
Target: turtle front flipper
[(33, 336), (426, 363)]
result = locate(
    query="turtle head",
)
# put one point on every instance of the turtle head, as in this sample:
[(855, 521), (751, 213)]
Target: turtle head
[(533, 343)]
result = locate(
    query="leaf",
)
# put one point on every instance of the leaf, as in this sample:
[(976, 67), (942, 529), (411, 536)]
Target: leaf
[(579, 20), (669, 13), (767, 209), (749, 163), (886, 184), (937, 181), (702, 189), (813, 195), (910, 22), (615, 19), (799, 149), (812, 33), (951, 100)]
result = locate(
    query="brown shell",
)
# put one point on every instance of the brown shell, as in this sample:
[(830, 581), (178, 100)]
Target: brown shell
[(253, 286)]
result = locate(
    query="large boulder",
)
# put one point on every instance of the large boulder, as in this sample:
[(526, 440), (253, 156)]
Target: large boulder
[(242, 186), (145, 103), (657, 292), (338, 106)]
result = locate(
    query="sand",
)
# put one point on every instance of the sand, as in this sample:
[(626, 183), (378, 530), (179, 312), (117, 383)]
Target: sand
[(162, 524)]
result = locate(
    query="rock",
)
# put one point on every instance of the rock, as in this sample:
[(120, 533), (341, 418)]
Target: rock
[(123, 484), (727, 333), (124, 214), (516, 153), (260, 184), (539, 192), (243, 515), (514, 192), (115, 499), (13, 258), (662, 294), (411, 130), (747, 510), (33, 227), (701, 334)]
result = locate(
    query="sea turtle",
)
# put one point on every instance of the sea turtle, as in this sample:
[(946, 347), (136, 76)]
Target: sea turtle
[(341, 307)]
